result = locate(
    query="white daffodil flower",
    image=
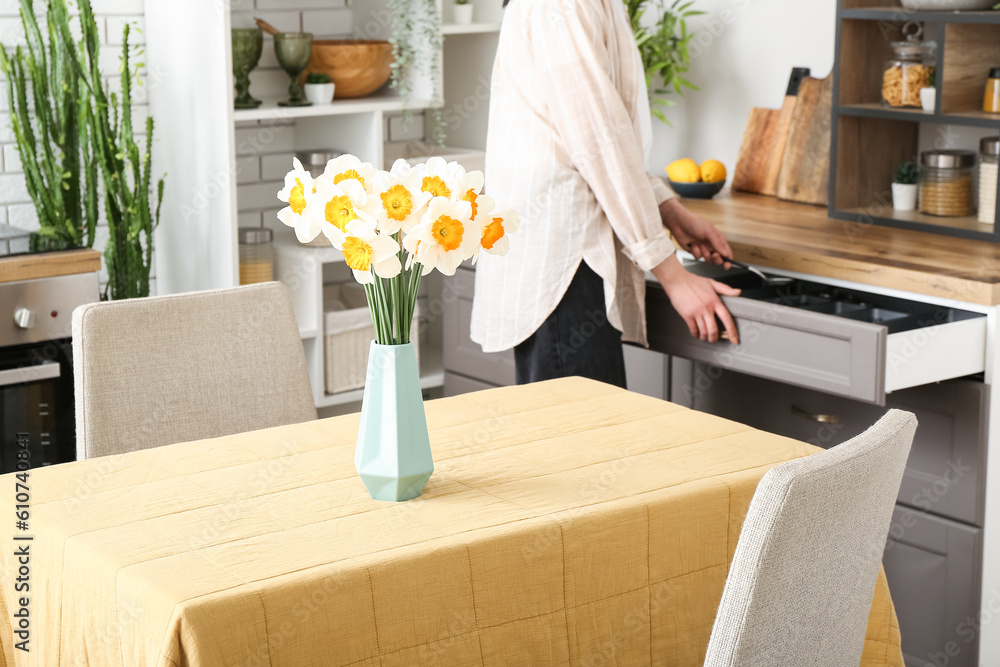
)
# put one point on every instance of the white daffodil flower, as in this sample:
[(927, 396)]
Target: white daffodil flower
[(397, 201), (369, 253), (334, 206), (298, 188), (348, 167), (495, 228), (442, 179), (444, 237), (470, 184)]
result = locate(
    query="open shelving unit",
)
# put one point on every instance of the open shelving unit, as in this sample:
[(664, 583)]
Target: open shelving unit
[(226, 165), (869, 139)]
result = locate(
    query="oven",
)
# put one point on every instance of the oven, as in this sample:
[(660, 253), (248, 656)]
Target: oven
[(37, 408)]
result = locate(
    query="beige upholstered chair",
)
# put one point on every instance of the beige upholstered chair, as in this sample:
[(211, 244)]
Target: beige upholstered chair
[(803, 576), (156, 371)]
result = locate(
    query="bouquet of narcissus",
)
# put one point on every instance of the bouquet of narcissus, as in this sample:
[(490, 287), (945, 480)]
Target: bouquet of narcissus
[(395, 226)]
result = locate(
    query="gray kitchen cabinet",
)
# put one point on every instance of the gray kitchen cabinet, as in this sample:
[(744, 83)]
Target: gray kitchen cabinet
[(463, 357), (945, 474), (646, 371), (932, 566), (839, 341)]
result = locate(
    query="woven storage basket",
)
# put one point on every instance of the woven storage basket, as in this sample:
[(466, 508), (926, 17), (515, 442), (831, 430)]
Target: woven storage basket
[(349, 332)]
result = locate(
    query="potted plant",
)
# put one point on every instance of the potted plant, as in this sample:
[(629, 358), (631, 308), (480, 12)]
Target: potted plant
[(904, 186), (664, 45), (461, 12), (319, 88)]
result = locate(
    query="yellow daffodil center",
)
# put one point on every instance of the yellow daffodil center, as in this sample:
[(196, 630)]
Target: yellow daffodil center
[(447, 232), (471, 197), (349, 174), (397, 202), (492, 233), (357, 253), (297, 198), (435, 186), (340, 211)]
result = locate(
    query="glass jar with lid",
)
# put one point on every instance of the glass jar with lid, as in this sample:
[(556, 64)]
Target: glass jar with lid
[(256, 255), (989, 162), (910, 69), (946, 182)]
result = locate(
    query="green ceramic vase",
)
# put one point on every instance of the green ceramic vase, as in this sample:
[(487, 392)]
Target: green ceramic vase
[(393, 455)]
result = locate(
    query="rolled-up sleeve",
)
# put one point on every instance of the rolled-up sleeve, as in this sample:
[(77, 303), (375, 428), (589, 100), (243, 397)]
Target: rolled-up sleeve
[(592, 121)]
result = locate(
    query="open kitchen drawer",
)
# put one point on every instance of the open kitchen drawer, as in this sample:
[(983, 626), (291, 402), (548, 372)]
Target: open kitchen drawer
[(844, 342)]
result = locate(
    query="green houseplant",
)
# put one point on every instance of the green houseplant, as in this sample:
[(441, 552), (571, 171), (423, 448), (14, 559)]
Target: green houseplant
[(664, 48), (411, 20), (319, 88), (70, 161)]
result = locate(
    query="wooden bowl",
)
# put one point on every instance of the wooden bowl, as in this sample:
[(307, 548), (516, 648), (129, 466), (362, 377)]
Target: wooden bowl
[(358, 67)]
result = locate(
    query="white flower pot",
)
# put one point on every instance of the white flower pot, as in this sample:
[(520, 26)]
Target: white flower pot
[(462, 14), (319, 93), (904, 196), (927, 98)]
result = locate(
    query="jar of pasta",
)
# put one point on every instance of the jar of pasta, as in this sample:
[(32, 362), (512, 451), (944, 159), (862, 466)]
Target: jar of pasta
[(910, 68), (946, 182), (256, 255)]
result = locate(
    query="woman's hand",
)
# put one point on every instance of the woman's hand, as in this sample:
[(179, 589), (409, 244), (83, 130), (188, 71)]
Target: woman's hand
[(697, 300), (695, 234)]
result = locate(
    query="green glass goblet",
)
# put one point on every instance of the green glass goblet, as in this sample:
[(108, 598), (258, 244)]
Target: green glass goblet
[(293, 50), (247, 46)]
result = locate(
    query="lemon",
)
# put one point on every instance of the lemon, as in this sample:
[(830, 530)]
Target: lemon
[(684, 171), (713, 171)]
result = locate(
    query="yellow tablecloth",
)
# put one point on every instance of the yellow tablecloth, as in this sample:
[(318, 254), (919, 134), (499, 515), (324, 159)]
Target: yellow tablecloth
[(567, 522)]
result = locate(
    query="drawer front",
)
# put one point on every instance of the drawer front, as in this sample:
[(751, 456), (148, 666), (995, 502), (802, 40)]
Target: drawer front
[(834, 354), (455, 384), (945, 471), (461, 354), (797, 347), (933, 568)]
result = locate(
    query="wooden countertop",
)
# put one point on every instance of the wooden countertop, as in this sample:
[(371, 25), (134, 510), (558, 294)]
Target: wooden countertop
[(796, 237), (46, 265)]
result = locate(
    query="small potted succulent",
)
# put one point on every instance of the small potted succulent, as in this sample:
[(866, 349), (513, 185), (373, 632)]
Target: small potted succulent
[(461, 12), (319, 88), (904, 186)]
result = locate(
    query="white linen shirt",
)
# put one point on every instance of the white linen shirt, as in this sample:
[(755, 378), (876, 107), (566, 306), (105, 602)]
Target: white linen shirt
[(569, 130)]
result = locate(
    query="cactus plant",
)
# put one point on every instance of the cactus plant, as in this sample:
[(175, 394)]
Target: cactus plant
[(85, 146), (46, 100)]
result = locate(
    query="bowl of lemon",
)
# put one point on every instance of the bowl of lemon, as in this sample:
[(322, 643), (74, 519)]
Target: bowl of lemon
[(692, 181)]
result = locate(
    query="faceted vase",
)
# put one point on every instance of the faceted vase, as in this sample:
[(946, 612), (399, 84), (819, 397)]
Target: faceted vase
[(393, 456)]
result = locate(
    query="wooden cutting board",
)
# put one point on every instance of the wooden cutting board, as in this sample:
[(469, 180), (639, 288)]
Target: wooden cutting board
[(805, 167), (763, 146)]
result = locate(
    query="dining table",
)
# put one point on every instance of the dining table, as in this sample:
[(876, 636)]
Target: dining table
[(567, 522)]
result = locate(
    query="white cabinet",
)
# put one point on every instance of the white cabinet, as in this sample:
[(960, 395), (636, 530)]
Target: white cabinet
[(225, 166)]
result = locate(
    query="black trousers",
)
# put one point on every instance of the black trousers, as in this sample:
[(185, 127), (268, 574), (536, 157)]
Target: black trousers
[(576, 339)]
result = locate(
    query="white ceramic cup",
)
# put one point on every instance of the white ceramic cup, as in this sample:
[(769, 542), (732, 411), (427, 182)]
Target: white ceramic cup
[(319, 93), (927, 98)]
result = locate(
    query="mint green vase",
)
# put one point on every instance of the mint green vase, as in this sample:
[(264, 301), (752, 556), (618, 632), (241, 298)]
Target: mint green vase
[(393, 456)]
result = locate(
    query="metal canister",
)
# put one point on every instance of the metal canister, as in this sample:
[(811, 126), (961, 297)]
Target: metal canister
[(946, 182)]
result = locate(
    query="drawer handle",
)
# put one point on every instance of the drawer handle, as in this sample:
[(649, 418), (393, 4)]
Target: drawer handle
[(815, 417)]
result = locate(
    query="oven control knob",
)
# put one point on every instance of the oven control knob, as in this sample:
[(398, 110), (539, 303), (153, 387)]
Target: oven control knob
[(24, 318)]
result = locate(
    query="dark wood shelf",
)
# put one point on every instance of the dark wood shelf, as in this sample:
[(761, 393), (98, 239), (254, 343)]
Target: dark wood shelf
[(875, 110), (966, 227), (902, 15)]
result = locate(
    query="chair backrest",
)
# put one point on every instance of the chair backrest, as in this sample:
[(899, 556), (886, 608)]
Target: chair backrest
[(156, 371), (800, 587)]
